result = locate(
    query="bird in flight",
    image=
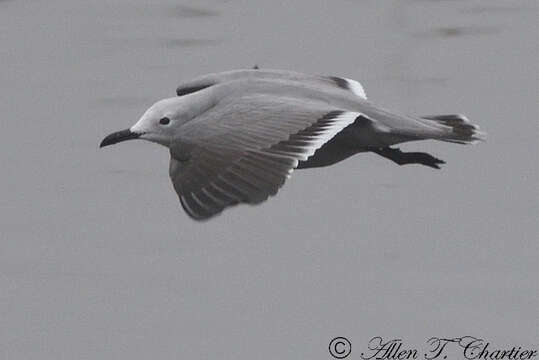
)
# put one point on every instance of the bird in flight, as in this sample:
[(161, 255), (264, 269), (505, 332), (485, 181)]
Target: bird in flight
[(235, 137)]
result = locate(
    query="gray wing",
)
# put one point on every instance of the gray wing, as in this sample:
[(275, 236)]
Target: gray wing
[(317, 81), (243, 150)]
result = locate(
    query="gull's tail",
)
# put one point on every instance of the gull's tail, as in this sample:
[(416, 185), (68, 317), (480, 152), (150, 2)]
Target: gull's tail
[(462, 130)]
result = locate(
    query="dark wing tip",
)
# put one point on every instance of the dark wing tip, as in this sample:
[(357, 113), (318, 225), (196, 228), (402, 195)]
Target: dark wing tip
[(184, 90), (196, 212), (340, 82)]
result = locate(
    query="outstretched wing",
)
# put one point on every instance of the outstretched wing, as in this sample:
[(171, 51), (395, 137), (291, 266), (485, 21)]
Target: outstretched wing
[(315, 81), (243, 150)]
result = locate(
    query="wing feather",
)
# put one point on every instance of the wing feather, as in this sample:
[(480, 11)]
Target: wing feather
[(243, 151)]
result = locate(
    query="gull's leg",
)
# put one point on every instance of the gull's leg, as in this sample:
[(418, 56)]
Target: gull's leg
[(403, 158)]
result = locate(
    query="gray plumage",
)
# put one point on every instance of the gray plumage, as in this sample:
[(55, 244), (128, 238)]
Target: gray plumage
[(235, 137)]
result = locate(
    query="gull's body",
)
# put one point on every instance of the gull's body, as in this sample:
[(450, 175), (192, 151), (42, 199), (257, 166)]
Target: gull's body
[(235, 137)]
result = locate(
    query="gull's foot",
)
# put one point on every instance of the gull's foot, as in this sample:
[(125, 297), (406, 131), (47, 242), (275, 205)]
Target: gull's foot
[(404, 158)]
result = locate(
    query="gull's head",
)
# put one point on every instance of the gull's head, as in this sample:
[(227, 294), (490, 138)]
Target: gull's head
[(159, 123)]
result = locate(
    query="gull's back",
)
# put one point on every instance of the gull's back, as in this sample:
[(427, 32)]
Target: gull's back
[(286, 86)]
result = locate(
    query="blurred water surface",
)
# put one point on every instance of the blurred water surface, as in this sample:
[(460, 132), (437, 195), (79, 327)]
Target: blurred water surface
[(98, 261)]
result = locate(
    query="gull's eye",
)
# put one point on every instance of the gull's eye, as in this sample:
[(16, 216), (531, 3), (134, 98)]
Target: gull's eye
[(164, 121)]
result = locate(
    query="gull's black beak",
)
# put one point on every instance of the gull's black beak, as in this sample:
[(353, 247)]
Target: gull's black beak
[(118, 137)]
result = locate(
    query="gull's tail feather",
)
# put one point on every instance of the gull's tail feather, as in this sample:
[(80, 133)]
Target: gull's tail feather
[(462, 130)]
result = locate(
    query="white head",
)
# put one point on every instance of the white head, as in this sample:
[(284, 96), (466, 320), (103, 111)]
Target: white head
[(159, 123)]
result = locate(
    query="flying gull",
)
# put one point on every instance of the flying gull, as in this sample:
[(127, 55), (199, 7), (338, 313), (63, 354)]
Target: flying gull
[(235, 137)]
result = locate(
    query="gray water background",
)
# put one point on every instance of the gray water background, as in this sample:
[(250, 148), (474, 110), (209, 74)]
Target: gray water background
[(97, 260)]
